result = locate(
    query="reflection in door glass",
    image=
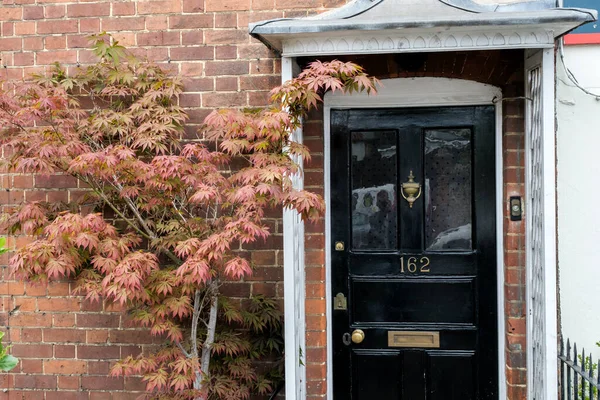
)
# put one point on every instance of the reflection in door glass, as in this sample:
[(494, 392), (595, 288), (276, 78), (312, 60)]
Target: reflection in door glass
[(448, 189), (373, 202)]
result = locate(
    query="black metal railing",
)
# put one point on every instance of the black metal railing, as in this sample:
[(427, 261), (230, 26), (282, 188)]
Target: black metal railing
[(577, 374)]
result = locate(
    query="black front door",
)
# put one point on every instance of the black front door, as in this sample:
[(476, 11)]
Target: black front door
[(414, 254)]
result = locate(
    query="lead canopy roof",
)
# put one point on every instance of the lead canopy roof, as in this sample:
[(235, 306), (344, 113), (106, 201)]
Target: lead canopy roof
[(432, 16)]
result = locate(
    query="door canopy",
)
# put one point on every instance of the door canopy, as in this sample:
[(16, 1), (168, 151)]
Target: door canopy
[(394, 26)]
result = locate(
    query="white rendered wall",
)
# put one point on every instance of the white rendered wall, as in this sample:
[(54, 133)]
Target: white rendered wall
[(578, 141)]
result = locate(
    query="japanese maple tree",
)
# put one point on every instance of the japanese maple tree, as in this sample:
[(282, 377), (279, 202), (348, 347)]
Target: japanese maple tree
[(161, 226)]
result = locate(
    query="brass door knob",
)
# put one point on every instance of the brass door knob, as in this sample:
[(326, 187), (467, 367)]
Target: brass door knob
[(358, 336)]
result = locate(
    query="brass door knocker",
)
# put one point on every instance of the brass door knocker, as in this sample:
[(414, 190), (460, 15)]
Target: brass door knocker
[(410, 189)]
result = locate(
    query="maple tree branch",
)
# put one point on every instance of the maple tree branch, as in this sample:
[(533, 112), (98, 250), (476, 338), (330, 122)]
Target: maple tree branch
[(120, 214), (210, 334), (113, 207), (96, 189), (19, 126), (134, 209), (166, 251), (194, 337), (139, 217), (57, 132), (150, 235), (170, 254), (181, 215), (185, 353), (195, 320)]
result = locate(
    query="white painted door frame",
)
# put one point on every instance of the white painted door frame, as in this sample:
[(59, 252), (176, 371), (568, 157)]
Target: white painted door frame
[(542, 327), (294, 278)]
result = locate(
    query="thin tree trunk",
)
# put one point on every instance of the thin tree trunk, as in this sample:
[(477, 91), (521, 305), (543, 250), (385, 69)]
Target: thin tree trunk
[(211, 327)]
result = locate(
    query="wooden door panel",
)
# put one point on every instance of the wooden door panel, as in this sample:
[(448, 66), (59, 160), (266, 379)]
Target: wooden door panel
[(413, 301), (413, 375), (449, 375), (398, 375), (411, 218), (377, 375)]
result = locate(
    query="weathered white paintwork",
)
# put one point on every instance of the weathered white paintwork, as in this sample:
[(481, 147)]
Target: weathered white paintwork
[(540, 156), (578, 138)]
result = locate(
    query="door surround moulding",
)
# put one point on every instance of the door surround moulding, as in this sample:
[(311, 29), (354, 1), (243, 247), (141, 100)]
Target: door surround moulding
[(411, 93), (542, 379), (417, 41)]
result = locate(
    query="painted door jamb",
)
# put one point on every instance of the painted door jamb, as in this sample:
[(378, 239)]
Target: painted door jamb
[(294, 278), (550, 210), (546, 60)]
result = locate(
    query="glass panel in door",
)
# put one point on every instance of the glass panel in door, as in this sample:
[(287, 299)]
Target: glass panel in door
[(373, 172), (448, 208)]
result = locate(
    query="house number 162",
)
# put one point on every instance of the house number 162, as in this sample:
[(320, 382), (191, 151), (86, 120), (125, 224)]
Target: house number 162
[(414, 264)]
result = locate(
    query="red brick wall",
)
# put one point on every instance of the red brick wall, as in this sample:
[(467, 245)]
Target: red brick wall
[(513, 143), (66, 345), (499, 68), (315, 306)]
